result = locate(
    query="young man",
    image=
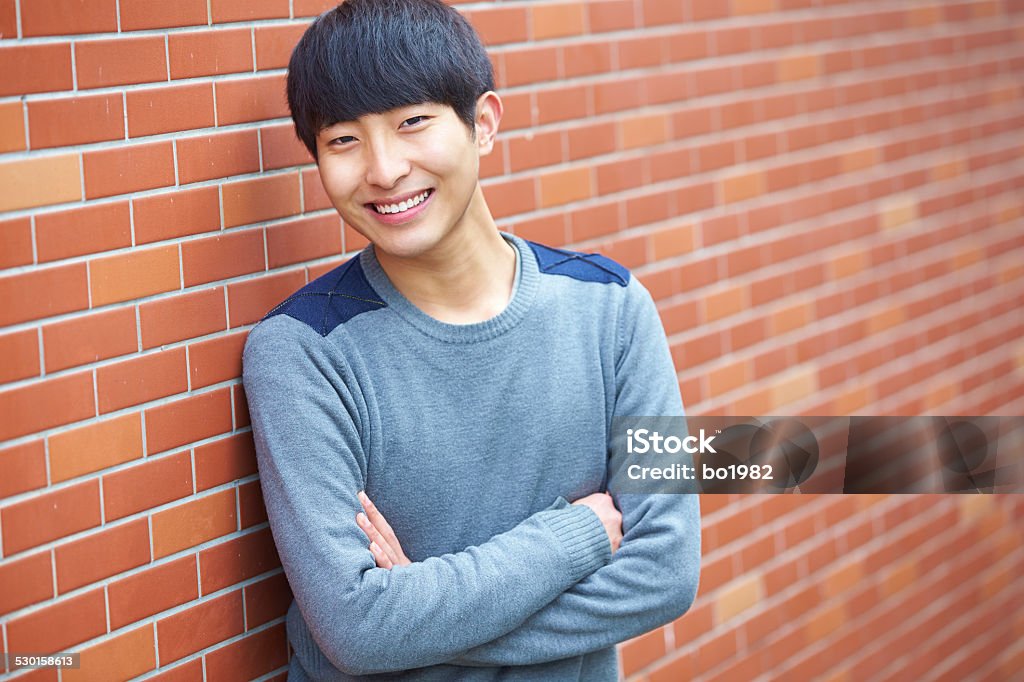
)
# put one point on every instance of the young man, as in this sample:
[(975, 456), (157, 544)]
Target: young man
[(432, 418)]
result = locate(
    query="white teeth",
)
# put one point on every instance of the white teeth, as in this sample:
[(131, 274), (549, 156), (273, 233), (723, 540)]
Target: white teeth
[(402, 207)]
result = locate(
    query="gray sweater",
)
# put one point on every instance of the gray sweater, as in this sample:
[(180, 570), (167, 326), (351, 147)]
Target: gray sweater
[(471, 440)]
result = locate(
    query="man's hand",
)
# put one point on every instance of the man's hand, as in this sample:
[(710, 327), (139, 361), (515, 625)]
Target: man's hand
[(384, 545), (611, 518)]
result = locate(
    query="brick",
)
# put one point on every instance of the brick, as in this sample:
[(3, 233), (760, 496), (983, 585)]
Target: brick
[(641, 651), (612, 15), (186, 420), (128, 169), (742, 187), (24, 468), (63, 17), (215, 360), (225, 460), (121, 658), (176, 214), (250, 657), (222, 256), (264, 198), (134, 274), (499, 25), (223, 11), (29, 580), (240, 406), (688, 45), (250, 300), (643, 131), (556, 21), (90, 338), (142, 14), (89, 229), (167, 109), (752, 6), (563, 187), (309, 8), (266, 600), (49, 516), (220, 155), (239, 559), (798, 68), (141, 379), (251, 509), (673, 241), (618, 96), (737, 598), (35, 68), (149, 484), (658, 12), (181, 317), (533, 151), (45, 404), (314, 198), (152, 591), (585, 59), (531, 64), (193, 523), (120, 61), (60, 626), (8, 19), (200, 627), (562, 104), (96, 117), (302, 240), (251, 99), (102, 555), (642, 51), (95, 446), (591, 140), (619, 175), (20, 351), (15, 242), (274, 44), (210, 52), (281, 148), (691, 123), (40, 181)]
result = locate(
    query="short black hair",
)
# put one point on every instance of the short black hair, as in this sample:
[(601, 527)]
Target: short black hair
[(371, 56)]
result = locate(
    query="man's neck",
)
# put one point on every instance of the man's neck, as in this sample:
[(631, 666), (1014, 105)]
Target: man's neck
[(467, 279)]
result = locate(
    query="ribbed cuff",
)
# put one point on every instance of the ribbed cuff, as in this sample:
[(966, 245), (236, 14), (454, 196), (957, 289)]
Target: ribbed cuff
[(583, 536)]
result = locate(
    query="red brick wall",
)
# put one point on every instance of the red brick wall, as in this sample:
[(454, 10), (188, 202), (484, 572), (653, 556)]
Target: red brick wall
[(825, 198)]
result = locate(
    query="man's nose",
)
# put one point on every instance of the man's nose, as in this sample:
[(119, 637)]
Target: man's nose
[(386, 165)]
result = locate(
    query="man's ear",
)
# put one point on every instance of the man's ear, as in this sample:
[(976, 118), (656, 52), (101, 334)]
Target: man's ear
[(488, 117)]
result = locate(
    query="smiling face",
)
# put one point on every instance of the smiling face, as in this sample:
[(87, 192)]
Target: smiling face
[(408, 179)]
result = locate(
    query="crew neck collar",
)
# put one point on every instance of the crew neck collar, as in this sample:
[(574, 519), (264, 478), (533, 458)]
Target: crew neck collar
[(524, 289)]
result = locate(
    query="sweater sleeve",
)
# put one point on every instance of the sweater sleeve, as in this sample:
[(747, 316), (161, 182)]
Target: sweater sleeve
[(652, 578), (309, 424)]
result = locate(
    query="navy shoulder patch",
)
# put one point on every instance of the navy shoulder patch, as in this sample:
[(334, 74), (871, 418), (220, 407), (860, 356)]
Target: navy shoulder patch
[(588, 267), (331, 299)]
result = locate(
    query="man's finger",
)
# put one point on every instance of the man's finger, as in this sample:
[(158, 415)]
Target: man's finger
[(382, 559), (374, 535), (380, 523)]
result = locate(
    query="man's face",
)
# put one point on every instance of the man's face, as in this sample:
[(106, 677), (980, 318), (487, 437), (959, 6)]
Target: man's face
[(403, 179)]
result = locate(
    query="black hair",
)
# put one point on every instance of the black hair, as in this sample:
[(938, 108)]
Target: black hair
[(371, 56)]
